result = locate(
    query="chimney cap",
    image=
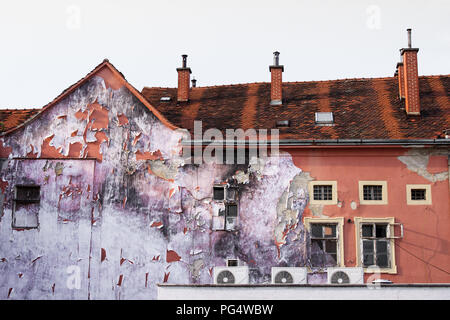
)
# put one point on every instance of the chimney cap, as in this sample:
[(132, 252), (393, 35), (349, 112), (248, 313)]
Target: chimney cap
[(184, 64), (276, 62)]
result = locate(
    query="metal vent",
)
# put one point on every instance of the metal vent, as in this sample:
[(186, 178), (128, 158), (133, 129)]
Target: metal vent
[(324, 118), (225, 277), (340, 277), (284, 277)]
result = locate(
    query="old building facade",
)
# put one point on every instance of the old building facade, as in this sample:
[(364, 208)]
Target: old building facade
[(101, 197)]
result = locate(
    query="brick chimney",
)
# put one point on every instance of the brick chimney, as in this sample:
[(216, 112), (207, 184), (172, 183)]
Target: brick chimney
[(184, 75), (401, 80), (411, 78), (276, 90)]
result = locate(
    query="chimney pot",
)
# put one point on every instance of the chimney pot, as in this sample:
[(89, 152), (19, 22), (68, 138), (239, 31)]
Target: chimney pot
[(184, 56), (409, 37), (194, 83), (276, 58)]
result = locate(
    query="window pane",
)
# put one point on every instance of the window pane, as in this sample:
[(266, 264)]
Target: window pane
[(367, 246), (380, 231), (367, 230), (331, 260), (323, 192), (382, 260), (381, 247), (232, 210), (317, 259), (372, 192), (330, 246), (418, 194), (316, 230), (329, 231), (219, 193), (368, 260)]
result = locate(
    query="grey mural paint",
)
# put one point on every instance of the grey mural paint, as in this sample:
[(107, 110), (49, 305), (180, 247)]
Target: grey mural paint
[(140, 216)]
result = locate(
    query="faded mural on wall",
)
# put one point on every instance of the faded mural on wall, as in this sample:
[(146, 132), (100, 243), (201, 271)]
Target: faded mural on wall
[(119, 211)]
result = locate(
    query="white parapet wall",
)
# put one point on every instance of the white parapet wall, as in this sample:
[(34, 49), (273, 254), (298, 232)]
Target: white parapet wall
[(305, 292)]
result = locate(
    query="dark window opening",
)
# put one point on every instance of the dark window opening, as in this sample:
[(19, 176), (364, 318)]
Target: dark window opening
[(232, 263), (375, 245), (218, 193), (373, 192), (418, 194), (323, 192), (26, 207)]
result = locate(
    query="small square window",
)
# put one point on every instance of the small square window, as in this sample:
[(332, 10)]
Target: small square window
[(218, 193), (373, 192), (418, 194), (323, 192)]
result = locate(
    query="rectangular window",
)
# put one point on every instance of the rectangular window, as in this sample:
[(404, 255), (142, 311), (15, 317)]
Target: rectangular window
[(373, 192), (232, 262), (26, 207), (418, 194), (219, 193), (323, 192), (326, 241), (375, 244), (225, 217)]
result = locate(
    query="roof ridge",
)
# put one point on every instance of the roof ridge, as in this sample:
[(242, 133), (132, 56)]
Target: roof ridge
[(293, 82)]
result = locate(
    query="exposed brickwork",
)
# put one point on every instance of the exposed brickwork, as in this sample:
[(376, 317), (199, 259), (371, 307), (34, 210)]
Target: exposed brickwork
[(184, 79), (401, 80), (276, 90), (411, 80)]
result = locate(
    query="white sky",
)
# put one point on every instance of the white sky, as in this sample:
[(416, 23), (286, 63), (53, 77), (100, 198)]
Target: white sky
[(46, 46)]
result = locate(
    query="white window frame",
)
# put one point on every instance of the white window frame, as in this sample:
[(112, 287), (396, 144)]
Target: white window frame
[(390, 221), (333, 184), (426, 187), (339, 221), (384, 192)]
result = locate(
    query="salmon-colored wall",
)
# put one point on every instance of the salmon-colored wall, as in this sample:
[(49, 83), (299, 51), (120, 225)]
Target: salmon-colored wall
[(426, 227)]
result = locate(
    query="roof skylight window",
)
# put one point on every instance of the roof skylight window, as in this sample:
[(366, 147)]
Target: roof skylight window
[(324, 118)]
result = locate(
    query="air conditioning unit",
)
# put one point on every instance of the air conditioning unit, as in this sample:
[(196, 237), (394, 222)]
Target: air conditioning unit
[(289, 275), (345, 275), (230, 275)]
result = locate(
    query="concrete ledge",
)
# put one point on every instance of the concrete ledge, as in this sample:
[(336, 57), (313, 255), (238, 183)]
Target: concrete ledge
[(417, 291)]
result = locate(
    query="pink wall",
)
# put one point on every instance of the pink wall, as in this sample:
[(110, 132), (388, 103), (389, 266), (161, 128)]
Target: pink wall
[(426, 227)]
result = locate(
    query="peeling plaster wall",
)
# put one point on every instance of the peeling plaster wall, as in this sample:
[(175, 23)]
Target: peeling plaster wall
[(120, 206)]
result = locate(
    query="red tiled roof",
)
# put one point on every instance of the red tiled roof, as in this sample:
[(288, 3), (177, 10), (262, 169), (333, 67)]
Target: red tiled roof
[(11, 118), (362, 108)]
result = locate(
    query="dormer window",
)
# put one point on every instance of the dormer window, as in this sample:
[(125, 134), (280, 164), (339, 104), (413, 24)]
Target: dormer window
[(324, 118), (165, 99)]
